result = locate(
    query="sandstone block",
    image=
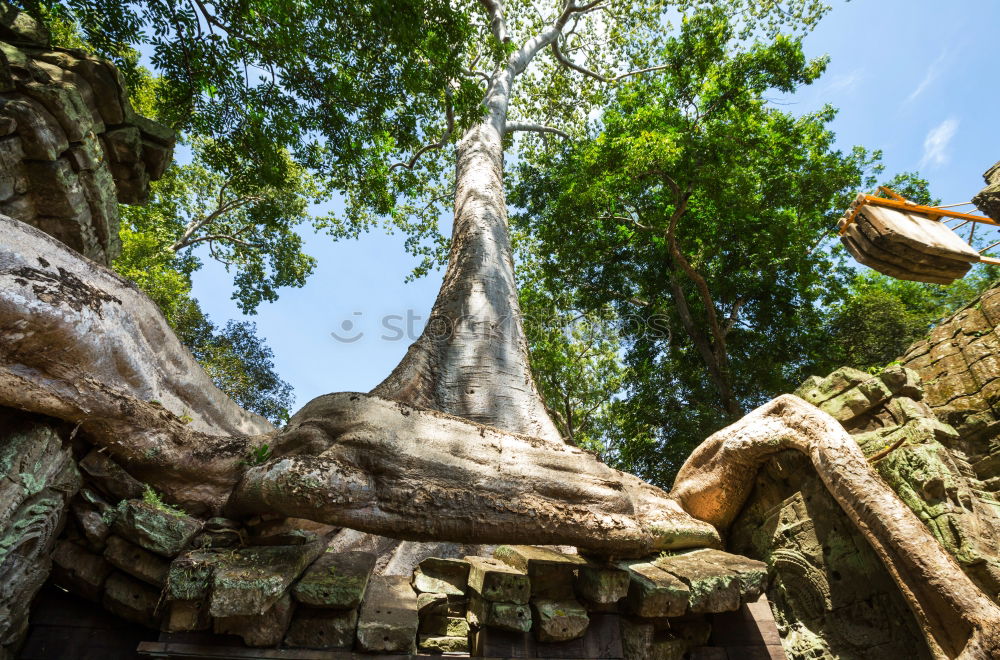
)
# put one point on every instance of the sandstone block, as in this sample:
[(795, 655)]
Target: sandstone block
[(336, 580), (162, 532), (559, 620), (135, 561), (388, 620), (264, 629), (322, 629), (494, 580)]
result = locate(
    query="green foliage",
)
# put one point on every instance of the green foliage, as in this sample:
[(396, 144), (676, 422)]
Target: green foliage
[(881, 316), (699, 214), (248, 225), (574, 356), (258, 455), (151, 497)]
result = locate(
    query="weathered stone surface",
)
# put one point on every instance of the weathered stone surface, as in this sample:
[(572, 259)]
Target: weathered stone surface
[(322, 628), (264, 629), (515, 617), (641, 641), (552, 574), (163, 532), (135, 561), (711, 587), (187, 616), (435, 644), (59, 106), (446, 576), (387, 622), (41, 136), (497, 581), (830, 594), (250, 581), (19, 27), (444, 626), (653, 592), (602, 586), (337, 580), (559, 620), (110, 477), (131, 599), (79, 571), (37, 478), (190, 575), (91, 523), (441, 605)]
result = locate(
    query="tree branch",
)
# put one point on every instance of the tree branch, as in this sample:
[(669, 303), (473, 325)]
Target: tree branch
[(449, 128), (497, 21), (513, 126)]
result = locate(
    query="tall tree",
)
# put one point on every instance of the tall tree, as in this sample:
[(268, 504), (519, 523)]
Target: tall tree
[(699, 206)]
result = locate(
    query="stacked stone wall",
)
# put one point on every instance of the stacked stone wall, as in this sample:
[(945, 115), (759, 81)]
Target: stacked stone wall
[(71, 146)]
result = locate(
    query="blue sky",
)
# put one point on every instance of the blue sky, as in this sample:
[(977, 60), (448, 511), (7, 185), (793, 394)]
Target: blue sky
[(914, 78)]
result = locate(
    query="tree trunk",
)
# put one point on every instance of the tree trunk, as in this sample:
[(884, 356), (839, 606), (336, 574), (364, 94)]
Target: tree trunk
[(472, 359), (957, 619)]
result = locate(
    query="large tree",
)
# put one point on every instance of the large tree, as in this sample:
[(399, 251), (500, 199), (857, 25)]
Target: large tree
[(374, 463), (700, 213)]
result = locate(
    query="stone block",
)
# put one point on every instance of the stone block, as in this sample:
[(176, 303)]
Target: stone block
[(445, 576), (552, 574), (187, 616), (387, 622), (65, 103), (653, 592), (163, 532), (712, 587), (135, 561), (250, 581), (265, 629), (337, 580), (515, 617), (494, 580), (190, 575), (322, 628), (91, 523), (110, 477), (41, 136), (602, 585), (436, 644), (641, 641), (441, 605), (79, 571), (131, 599), (444, 626), (751, 574), (559, 620)]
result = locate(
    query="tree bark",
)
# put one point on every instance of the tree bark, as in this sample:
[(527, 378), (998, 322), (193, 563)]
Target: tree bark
[(472, 358), (957, 619), (383, 467)]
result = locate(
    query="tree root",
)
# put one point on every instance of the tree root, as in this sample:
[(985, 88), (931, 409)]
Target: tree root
[(957, 619)]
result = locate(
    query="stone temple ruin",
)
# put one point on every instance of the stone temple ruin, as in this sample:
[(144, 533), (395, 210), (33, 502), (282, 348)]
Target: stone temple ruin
[(795, 579)]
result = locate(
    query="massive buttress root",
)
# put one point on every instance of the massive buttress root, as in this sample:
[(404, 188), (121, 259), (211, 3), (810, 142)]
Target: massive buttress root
[(380, 466), (81, 344), (957, 619)]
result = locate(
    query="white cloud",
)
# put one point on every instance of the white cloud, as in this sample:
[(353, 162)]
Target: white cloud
[(937, 141), (935, 69), (844, 82)]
